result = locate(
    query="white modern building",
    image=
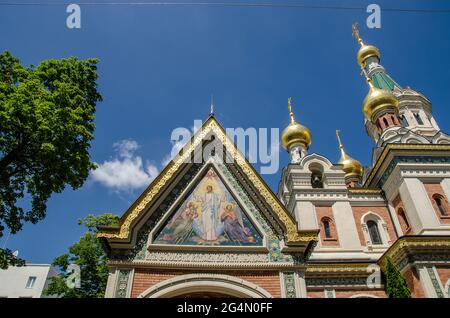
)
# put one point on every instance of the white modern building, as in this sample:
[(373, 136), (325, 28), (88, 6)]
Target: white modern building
[(27, 281)]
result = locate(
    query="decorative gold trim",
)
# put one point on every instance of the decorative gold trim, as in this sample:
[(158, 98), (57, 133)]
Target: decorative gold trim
[(390, 147), (293, 236), (336, 268), (414, 242), (365, 191)]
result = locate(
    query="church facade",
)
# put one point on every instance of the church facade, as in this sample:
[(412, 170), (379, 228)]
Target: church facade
[(209, 226)]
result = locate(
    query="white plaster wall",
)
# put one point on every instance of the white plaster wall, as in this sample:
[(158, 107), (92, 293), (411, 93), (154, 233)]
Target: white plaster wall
[(418, 205), (345, 225), (13, 281), (445, 184), (305, 215)]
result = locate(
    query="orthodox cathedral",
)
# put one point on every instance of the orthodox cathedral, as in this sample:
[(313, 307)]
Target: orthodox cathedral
[(209, 226)]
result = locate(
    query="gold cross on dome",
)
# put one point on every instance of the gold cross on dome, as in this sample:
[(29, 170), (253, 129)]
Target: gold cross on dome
[(355, 32)]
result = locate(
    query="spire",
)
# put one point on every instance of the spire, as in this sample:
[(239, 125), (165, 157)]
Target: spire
[(211, 112), (341, 146), (355, 33), (368, 57), (291, 113)]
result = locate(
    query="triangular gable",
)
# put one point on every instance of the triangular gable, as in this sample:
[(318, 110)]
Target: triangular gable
[(208, 215), (292, 235)]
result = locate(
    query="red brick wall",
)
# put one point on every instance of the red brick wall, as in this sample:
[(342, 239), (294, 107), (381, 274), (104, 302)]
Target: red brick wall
[(382, 212), (433, 189), (345, 293), (444, 274), (414, 285), (146, 278), (327, 212)]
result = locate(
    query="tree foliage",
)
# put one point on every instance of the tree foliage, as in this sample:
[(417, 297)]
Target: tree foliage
[(7, 258), (89, 255), (46, 126), (396, 286)]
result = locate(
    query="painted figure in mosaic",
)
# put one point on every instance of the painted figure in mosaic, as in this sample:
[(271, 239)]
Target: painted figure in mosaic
[(210, 226), (234, 226), (209, 216), (182, 226)]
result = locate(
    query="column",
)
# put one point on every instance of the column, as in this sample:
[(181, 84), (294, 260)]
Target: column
[(418, 205), (346, 225)]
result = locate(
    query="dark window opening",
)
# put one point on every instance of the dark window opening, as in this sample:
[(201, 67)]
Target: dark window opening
[(326, 227), (440, 205), (418, 118), (374, 233), (404, 121)]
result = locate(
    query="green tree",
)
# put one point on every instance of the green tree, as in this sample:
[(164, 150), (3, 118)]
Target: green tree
[(396, 286), (46, 126), (89, 255)]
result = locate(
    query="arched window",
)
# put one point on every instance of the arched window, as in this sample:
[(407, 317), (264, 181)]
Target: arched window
[(385, 122), (402, 216), (404, 121), (326, 228), (418, 118), (374, 233), (440, 203)]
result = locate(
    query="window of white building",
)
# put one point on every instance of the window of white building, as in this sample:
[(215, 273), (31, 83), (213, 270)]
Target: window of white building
[(31, 281)]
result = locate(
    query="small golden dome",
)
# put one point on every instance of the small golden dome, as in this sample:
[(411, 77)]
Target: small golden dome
[(351, 167), (294, 133), (378, 100), (367, 51)]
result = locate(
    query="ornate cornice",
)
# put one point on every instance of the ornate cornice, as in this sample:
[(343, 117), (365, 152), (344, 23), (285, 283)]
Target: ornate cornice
[(365, 191), (207, 266), (407, 147), (330, 268), (405, 244), (293, 236)]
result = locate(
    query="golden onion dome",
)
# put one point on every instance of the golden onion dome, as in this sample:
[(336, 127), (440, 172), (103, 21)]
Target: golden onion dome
[(294, 133), (365, 52), (378, 100), (351, 167)]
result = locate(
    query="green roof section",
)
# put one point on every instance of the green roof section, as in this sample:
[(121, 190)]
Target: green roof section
[(383, 81)]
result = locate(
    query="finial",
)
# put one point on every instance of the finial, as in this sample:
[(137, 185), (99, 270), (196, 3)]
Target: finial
[(291, 113), (355, 33), (212, 105), (339, 139), (341, 146)]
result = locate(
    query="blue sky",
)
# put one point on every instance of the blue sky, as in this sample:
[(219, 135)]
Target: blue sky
[(160, 64)]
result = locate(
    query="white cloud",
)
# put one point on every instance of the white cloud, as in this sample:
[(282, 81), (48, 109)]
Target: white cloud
[(126, 147), (126, 171)]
